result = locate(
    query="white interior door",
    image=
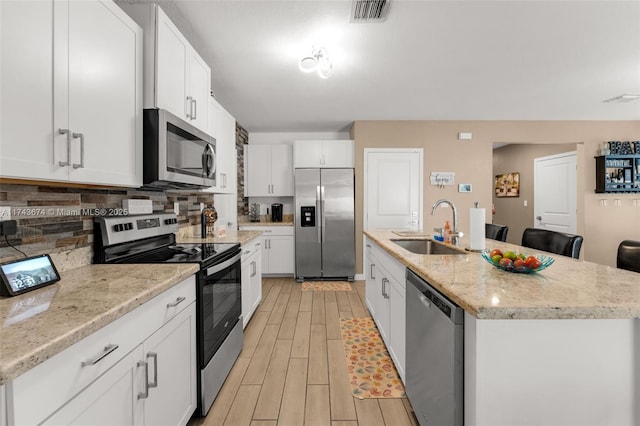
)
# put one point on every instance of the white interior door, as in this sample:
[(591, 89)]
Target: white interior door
[(393, 189), (555, 193)]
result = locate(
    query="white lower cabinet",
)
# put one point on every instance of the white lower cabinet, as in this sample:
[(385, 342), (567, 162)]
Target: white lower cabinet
[(140, 369), (277, 249), (251, 276), (385, 297), (170, 385), (110, 400)]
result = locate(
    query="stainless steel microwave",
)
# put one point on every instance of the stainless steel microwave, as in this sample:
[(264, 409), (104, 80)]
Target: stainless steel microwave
[(176, 154)]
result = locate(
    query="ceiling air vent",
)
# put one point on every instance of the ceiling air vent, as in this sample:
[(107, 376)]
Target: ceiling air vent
[(369, 10)]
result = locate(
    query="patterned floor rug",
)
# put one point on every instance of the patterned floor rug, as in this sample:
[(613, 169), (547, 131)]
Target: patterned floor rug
[(370, 368), (326, 286)]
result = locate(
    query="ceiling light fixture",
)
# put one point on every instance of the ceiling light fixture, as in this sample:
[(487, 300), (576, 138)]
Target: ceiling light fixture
[(624, 98), (318, 61)]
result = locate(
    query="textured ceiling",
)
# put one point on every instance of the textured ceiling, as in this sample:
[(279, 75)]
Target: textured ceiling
[(430, 60)]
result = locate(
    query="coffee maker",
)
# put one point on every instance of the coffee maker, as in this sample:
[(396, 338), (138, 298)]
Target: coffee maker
[(276, 212)]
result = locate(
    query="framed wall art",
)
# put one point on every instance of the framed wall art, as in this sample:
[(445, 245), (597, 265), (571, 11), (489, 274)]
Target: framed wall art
[(508, 185)]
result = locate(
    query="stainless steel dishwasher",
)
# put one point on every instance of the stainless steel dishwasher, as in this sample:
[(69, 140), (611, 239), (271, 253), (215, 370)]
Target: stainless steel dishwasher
[(435, 355)]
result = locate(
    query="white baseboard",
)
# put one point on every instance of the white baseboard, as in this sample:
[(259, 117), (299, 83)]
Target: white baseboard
[(359, 277)]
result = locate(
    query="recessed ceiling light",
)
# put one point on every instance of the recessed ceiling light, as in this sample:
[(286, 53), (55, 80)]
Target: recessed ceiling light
[(624, 98)]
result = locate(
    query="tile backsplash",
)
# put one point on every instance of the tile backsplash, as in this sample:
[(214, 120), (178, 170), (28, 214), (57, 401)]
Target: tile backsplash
[(55, 219)]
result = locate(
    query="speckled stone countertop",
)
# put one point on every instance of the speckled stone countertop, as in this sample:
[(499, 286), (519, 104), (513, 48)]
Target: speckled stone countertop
[(568, 289), (241, 237), (44, 322), (265, 223)]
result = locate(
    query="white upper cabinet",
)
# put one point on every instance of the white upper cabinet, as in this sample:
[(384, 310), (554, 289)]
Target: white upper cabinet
[(323, 154), (75, 115), (176, 77), (268, 171), (183, 78), (222, 126)]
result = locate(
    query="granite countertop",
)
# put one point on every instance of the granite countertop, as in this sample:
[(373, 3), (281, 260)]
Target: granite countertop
[(568, 289), (41, 323), (266, 223), (241, 237)]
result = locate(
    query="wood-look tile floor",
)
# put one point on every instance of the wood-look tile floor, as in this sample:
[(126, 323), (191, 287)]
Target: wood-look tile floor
[(292, 370)]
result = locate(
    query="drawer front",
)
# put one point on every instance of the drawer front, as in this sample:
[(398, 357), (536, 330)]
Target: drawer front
[(393, 266), (250, 248), (61, 377)]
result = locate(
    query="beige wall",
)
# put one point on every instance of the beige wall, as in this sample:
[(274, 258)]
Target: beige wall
[(602, 227), (519, 158)]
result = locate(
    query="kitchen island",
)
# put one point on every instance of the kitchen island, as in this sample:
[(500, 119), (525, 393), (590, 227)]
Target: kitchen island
[(559, 347)]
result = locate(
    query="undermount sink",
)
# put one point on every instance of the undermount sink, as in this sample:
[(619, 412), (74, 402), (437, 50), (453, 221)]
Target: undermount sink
[(426, 247)]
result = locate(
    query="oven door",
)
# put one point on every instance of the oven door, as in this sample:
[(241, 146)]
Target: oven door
[(219, 304)]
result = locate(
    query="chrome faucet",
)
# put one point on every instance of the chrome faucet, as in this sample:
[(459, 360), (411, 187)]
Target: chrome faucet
[(455, 234)]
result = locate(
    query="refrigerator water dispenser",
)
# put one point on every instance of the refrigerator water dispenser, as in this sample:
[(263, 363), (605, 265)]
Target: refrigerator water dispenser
[(308, 216)]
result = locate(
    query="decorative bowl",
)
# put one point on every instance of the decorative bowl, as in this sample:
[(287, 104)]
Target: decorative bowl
[(545, 262)]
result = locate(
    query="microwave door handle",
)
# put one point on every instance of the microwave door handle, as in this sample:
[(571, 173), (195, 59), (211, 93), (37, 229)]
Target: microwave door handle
[(211, 160), (205, 163)]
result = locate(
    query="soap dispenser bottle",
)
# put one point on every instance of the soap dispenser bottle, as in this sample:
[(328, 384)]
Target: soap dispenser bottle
[(447, 232)]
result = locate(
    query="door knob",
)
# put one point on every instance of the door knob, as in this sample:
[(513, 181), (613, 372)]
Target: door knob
[(539, 218)]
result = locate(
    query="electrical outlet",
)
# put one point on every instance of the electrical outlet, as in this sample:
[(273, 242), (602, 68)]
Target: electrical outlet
[(5, 213), (525, 203), (176, 207)]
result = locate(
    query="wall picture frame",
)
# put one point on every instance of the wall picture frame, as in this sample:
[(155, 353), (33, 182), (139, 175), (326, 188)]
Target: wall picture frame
[(507, 185), (465, 187)]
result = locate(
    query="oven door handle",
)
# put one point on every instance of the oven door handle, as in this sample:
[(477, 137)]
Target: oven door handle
[(221, 266)]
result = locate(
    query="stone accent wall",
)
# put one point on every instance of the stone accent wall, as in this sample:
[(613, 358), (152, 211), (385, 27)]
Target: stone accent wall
[(242, 139), (56, 218)]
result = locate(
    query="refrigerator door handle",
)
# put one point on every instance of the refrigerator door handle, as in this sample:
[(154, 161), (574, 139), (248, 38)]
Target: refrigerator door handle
[(318, 213), (324, 231)]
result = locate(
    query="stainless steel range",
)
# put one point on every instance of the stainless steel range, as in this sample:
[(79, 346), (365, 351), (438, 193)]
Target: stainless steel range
[(151, 239)]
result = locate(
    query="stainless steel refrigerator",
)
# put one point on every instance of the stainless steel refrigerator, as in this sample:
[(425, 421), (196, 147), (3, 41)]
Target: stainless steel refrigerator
[(325, 227)]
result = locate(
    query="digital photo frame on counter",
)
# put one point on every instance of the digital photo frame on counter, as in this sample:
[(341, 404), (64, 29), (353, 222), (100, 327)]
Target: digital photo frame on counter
[(27, 274)]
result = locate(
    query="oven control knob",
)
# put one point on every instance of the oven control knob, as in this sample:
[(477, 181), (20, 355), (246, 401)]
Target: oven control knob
[(128, 226), (118, 227), (170, 221)]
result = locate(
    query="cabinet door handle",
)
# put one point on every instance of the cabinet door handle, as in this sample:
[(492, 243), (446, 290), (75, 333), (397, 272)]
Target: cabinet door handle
[(194, 113), (253, 269), (81, 136), (188, 108), (106, 351), (384, 292), (178, 301), (155, 369), (145, 394), (373, 265), (368, 245), (68, 133)]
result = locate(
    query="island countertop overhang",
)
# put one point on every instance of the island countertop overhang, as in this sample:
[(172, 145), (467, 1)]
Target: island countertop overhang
[(569, 289)]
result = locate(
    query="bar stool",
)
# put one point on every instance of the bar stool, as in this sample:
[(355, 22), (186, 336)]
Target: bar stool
[(496, 232), (554, 242), (629, 255)]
